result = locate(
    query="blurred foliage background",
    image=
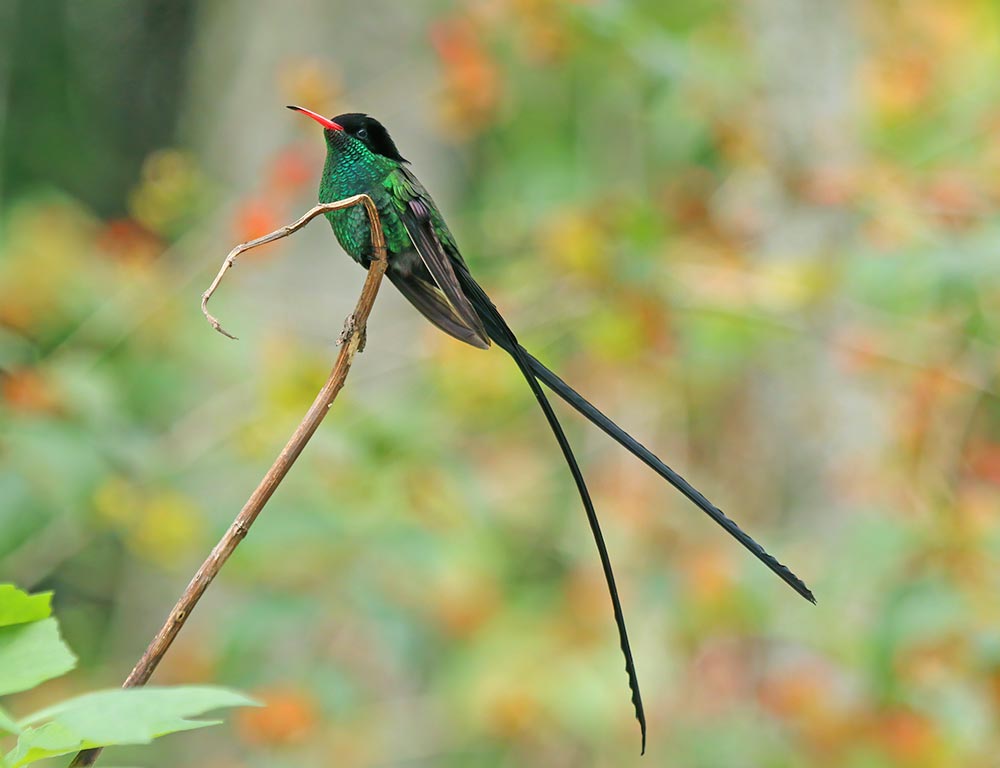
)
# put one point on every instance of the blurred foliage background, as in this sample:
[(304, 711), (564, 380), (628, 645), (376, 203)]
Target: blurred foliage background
[(762, 235)]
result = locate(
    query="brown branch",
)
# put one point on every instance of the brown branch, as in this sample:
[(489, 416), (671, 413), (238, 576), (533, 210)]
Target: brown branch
[(285, 231), (352, 341)]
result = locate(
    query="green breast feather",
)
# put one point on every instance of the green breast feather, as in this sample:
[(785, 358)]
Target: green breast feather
[(386, 184)]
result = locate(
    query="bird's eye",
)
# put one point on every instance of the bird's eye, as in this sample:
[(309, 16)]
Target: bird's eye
[(362, 133)]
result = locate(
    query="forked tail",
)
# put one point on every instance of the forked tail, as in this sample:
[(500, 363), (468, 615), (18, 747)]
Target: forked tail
[(574, 398), (504, 337)]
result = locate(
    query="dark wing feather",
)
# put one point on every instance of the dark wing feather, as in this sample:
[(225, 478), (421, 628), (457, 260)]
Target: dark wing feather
[(432, 304), (416, 217)]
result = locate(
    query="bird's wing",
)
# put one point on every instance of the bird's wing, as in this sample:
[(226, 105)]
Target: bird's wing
[(430, 301), (415, 209)]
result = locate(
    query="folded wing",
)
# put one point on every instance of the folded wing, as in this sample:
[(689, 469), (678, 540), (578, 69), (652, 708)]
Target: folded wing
[(415, 213)]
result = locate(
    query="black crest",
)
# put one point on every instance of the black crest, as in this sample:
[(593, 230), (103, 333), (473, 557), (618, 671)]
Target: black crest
[(371, 133)]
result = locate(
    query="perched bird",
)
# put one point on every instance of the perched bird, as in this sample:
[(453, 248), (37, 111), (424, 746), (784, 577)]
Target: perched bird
[(427, 268)]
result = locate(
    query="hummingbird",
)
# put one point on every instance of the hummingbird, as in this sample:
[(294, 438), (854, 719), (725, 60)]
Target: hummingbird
[(426, 266)]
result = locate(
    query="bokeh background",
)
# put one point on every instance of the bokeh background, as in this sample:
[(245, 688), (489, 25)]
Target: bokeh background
[(760, 234)]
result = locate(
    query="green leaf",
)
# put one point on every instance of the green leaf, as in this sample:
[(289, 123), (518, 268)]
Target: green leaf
[(137, 715), (17, 607), (7, 722), (50, 740), (31, 654)]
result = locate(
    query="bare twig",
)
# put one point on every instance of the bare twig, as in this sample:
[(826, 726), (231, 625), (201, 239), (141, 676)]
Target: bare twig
[(354, 331), (285, 231)]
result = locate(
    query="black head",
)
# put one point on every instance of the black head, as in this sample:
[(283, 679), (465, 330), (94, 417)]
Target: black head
[(364, 128), (369, 132)]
